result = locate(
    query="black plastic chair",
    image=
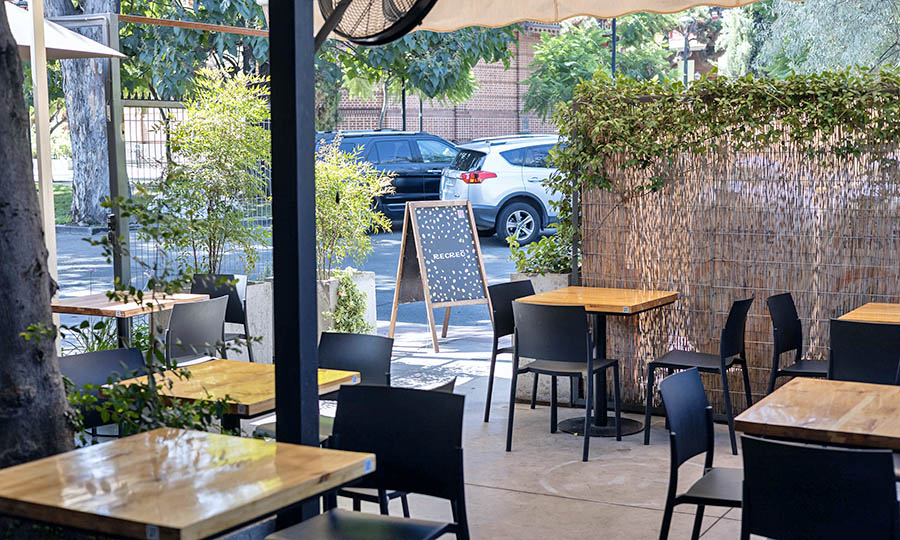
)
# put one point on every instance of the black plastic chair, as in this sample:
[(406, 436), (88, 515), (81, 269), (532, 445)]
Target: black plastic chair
[(368, 354), (690, 434), (864, 352), (787, 336), (416, 436), (800, 491), (95, 368), (502, 296), (234, 286), (195, 330), (557, 338), (731, 352)]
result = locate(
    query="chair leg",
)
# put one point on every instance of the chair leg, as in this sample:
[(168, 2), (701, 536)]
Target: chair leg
[(599, 397), (728, 412), (512, 404), (490, 390), (534, 385), (461, 519), (588, 401), (383, 502), (553, 403), (404, 502), (772, 378), (698, 522), (667, 520), (618, 401), (357, 505), (748, 392), (649, 404)]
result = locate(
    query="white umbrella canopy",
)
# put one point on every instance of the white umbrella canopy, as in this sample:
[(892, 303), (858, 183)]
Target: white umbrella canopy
[(448, 15), (60, 42)]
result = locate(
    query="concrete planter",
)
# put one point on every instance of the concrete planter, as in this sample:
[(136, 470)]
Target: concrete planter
[(327, 294), (542, 283), (261, 322)]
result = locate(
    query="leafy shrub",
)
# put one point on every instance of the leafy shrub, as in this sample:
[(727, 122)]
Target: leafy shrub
[(549, 255), (350, 312)]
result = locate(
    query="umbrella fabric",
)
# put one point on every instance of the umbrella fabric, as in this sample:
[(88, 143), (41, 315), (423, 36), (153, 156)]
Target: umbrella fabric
[(60, 42), (447, 15)]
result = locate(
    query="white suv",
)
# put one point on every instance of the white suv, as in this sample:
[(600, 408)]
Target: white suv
[(502, 177)]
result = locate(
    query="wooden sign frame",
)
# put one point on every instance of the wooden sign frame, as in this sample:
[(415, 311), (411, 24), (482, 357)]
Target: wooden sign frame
[(412, 279)]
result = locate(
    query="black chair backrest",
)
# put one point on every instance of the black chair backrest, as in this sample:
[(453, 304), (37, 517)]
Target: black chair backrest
[(687, 412), (786, 327), (416, 436), (732, 343), (557, 333), (234, 286), (864, 352), (96, 367), (502, 296), (196, 328), (807, 491), (369, 355)]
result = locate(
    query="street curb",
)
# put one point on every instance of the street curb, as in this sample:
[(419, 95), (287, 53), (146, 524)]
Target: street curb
[(79, 230)]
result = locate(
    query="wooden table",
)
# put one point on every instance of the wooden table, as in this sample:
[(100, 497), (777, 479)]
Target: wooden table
[(874, 312), (173, 483), (600, 302), (99, 305), (836, 412), (250, 386)]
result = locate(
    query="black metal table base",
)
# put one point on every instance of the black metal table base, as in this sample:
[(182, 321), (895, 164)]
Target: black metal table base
[(576, 427)]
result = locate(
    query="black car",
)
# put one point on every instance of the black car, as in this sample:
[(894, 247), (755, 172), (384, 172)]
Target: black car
[(415, 158)]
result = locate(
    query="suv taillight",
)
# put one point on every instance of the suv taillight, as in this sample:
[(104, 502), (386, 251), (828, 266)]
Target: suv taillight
[(476, 177)]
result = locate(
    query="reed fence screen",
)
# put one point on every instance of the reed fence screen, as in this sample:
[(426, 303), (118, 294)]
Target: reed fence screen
[(733, 225)]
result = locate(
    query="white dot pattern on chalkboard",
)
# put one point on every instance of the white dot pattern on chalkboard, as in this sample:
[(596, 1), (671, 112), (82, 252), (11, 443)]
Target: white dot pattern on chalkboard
[(448, 250)]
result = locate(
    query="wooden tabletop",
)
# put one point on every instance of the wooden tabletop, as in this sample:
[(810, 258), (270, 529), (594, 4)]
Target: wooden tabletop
[(837, 412), (249, 386), (99, 305), (876, 312), (173, 483), (603, 300)]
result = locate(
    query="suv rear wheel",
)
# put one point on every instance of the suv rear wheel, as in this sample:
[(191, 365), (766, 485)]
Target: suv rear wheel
[(520, 220)]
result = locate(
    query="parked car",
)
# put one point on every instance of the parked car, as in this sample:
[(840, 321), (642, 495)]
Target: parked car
[(503, 179), (415, 158)]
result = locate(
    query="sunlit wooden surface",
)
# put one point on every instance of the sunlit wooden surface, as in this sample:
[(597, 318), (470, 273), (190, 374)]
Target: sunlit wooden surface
[(838, 412), (876, 312), (173, 483), (99, 305), (603, 300), (250, 387)]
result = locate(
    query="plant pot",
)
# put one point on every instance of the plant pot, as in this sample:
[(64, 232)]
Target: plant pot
[(542, 283), (327, 294), (261, 322)]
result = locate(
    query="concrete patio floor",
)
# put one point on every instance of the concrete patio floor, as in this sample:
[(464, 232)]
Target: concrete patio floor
[(542, 489)]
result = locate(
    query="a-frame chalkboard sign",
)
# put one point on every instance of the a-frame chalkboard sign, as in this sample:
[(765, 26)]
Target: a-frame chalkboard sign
[(440, 261)]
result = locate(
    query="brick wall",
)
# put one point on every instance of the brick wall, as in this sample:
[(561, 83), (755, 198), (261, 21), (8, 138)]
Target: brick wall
[(495, 109)]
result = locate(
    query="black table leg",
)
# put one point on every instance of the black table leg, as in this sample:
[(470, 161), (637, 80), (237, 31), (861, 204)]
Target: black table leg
[(602, 425), (232, 423), (123, 327)]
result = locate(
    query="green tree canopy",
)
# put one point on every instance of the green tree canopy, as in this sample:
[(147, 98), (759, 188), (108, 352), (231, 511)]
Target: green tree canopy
[(585, 47), (434, 65), (163, 60)]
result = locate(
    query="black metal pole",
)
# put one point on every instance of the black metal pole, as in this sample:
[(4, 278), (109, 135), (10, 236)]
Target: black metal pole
[(614, 47), (421, 116), (403, 105), (294, 225)]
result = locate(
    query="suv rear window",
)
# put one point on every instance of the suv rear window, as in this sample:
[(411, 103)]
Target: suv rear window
[(467, 160)]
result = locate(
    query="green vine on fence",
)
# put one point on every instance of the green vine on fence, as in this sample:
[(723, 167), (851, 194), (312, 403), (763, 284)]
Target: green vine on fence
[(647, 124)]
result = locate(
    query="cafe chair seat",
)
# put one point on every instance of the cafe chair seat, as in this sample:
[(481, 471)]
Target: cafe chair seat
[(551, 367), (679, 359), (806, 368), (340, 524), (719, 485)]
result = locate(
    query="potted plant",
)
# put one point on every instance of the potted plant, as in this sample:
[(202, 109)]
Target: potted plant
[(346, 190), (547, 262)]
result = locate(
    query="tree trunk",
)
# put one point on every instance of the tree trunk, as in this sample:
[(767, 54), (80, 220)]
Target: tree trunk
[(33, 404), (83, 86), (384, 101)]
